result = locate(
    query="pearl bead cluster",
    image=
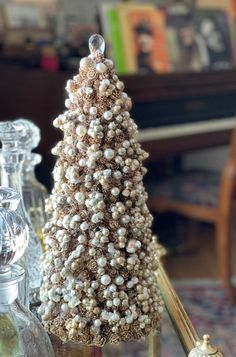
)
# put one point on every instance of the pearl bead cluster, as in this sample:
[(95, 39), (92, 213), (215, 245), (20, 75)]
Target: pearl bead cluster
[(98, 281)]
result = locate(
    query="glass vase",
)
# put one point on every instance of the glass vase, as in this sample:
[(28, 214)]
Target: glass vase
[(21, 334), (11, 160), (34, 194)]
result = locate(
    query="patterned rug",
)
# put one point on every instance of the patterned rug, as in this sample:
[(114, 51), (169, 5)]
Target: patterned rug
[(205, 302)]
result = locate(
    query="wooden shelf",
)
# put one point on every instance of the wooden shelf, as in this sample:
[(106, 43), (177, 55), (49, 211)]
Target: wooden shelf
[(179, 85), (158, 100)]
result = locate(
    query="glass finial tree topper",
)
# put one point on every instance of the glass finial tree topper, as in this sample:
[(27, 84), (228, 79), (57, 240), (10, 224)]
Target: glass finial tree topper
[(96, 44), (98, 269)]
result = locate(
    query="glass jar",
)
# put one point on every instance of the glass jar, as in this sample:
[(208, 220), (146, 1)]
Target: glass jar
[(34, 194), (11, 160), (14, 237), (21, 334)]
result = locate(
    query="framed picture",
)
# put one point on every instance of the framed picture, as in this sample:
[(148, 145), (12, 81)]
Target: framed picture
[(143, 31), (213, 39)]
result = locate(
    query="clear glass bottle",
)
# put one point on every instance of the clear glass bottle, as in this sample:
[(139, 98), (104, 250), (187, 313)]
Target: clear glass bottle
[(11, 160), (21, 334), (34, 193), (13, 248)]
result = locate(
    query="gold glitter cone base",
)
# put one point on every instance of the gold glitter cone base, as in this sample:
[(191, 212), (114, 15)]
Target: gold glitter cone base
[(150, 347)]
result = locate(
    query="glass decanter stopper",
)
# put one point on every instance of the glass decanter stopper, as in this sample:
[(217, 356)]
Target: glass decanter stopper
[(34, 193), (21, 334), (11, 160)]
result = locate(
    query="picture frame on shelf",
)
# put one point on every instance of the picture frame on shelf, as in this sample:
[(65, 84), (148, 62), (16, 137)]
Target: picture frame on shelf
[(142, 26)]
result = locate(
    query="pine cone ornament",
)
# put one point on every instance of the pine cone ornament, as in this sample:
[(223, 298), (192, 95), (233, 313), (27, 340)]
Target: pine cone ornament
[(98, 268)]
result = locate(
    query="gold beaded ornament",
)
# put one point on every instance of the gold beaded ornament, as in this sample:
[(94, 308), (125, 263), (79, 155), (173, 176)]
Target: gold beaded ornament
[(98, 269)]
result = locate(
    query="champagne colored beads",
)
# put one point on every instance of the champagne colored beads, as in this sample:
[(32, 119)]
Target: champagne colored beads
[(98, 269)]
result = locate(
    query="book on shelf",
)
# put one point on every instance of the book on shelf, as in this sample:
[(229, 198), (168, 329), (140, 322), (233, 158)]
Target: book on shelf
[(226, 5), (213, 39), (215, 34), (110, 25), (234, 9), (144, 38), (180, 36)]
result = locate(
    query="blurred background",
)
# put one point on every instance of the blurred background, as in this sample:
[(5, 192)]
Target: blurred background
[(177, 60)]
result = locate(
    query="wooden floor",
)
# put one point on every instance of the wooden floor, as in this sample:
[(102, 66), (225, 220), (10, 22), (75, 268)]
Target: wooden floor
[(200, 263)]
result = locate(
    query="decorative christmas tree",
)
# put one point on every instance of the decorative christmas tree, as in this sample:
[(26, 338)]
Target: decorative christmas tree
[(98, 270)]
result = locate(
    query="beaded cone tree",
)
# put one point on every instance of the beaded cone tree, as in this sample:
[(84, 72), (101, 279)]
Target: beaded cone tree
[(98, 269)]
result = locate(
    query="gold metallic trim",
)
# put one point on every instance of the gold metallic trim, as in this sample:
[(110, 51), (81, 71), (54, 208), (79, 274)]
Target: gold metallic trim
[(183, 326)]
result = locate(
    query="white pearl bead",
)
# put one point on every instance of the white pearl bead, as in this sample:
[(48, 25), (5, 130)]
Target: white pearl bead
[(55, 278), (93, 111), (116, 301), (84, 226), (64, 307), (121, 231), (82, 162), (129, 319), (81, 130), (117, 175), (133, 245), (57, 262), (81, 239), (125, 219), (101, 67), (119, 280), (102, 262), (79, 196), (115, 191), (115, 317), (95, 284), (92, 252), (105, 279), (87, 63), (112, 288), (88, 90), (107, 115), (109, 154), (97, 323), (109, 63), (105, 82), (82, 118), (109, 303), (119, 85)]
